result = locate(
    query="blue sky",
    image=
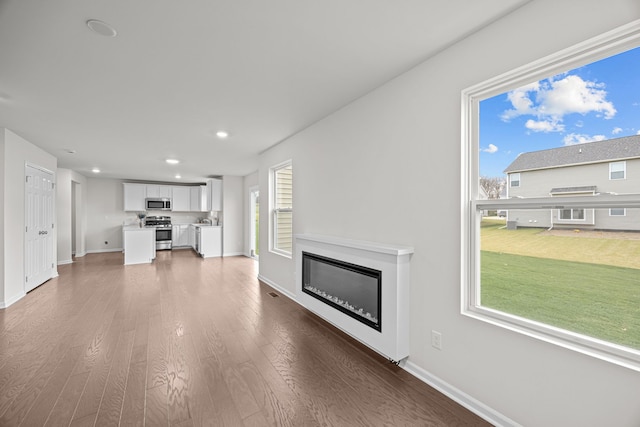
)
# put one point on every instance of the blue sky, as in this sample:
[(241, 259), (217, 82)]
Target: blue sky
[(592, 103)]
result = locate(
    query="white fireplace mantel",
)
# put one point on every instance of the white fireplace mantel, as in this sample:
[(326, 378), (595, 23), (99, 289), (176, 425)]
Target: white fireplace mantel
[(393, 261)]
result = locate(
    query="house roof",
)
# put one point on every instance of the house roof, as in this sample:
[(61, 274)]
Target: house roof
[(593, 152)]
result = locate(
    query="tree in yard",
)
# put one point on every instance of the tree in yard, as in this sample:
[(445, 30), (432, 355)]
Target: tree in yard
[(492, 186)]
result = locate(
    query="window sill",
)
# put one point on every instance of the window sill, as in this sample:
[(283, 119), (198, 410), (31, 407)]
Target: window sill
[(612, 353)]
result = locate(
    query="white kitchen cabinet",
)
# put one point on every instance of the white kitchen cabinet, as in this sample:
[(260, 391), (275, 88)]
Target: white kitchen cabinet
[(180, 236), (198, 198), (139, 244), (161, 191), (181, 199), (214, 193), (210, 244), (191, 236), (134, 195)]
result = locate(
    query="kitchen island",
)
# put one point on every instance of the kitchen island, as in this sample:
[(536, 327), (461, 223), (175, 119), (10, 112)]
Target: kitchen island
[(139, 244)]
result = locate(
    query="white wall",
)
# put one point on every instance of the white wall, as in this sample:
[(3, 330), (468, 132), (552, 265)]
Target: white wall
[(16, 153), (232, 207), (387, 168)]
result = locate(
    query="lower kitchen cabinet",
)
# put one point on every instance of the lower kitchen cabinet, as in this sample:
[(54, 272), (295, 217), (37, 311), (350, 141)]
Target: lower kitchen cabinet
[(180, 236), (139, 244), (208, 241)]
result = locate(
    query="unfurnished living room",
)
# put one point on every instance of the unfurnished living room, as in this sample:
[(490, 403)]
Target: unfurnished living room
[(342, 213)]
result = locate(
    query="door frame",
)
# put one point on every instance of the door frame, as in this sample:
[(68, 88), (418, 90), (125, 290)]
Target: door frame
[(54, 271)]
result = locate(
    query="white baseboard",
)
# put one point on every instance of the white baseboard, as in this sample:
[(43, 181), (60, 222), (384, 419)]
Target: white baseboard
[(233, 254), (278, 288), (100, 251), (66, 261), (483, 411), (80, 254), (5, 304)]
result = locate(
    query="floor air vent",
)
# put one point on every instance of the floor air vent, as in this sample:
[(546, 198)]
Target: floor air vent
[(273, 294)]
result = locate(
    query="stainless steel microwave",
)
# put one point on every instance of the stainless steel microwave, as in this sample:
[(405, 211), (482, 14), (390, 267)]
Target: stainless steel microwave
[(158, 204)]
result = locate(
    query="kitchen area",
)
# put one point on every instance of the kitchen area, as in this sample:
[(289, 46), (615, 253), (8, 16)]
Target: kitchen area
[(172, 217)]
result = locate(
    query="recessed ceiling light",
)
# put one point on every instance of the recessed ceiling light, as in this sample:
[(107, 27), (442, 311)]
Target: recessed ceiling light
[(222, 134), (172, 161), (95, 170), (178, 176), (101, 28)]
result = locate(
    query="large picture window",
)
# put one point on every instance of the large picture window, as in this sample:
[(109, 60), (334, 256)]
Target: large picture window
[(282, 209), (550, 267)]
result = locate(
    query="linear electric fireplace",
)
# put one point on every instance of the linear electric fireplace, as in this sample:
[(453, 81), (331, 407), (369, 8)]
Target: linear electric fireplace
[(353, 289), (360, 287)]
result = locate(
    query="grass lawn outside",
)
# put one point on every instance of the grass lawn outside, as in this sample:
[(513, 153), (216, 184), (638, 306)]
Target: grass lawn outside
[(580, 284)]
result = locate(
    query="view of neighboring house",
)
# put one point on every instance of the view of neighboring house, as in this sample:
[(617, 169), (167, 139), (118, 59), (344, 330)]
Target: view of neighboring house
[(603, 167)]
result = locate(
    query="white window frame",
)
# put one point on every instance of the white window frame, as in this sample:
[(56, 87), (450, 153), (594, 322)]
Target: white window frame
[(584, 215), (273, 227), (511, 180), (624, 170), (608, 44), (624, 212)]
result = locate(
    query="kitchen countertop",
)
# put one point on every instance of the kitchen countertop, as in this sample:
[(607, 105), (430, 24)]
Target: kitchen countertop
[(134, 228)]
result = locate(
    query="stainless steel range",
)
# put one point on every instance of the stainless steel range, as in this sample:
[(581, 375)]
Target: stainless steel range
[(162, 224)]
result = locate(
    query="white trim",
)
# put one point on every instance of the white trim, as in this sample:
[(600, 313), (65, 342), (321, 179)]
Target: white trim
[(66, 261), (100, 251), (80, 255), (605, 45), (474, 405), (15, 299), (382, 248), (278, 288), (234, 254)]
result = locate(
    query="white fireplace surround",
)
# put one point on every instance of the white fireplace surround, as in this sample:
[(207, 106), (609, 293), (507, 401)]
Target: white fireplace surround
[(393, 261)]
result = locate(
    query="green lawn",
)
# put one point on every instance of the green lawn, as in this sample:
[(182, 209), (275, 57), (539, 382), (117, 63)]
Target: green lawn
[(533, 275)]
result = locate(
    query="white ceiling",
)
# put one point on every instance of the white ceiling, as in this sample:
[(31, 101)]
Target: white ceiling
[(178, 71)]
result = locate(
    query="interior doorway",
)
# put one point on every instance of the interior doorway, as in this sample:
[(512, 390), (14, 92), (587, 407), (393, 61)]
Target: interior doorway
[(254, 222)]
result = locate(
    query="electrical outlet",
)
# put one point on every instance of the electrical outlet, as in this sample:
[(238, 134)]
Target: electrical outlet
[(436, 340)]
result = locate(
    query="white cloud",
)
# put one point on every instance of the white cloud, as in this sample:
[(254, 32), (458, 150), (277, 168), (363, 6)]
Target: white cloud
[(616, 131), (575, 138), (550, 100), (544, 126), (490, 149)]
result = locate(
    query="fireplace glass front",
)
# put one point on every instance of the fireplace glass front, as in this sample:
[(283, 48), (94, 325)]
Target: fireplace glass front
[(354, 290)]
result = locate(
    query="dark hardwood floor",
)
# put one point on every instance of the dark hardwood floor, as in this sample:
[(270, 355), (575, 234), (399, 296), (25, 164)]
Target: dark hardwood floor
[(190, 342)]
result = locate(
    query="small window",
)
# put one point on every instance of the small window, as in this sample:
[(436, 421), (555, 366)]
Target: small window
[(514, 180), (572, 214), (282, 209), (617, 212), (617, 170)]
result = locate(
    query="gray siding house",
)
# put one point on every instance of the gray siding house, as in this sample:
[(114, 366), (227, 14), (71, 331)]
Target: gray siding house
[(604, 167)]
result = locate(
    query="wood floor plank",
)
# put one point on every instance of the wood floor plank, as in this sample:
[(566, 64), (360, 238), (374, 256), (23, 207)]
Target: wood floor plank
[(113, 397), (46, 400), (187, 341)]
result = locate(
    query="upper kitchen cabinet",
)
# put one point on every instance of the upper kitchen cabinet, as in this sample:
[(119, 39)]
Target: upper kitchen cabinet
[(134, 195), (181, 199), (162, 191), (197, 199), (214, 191)]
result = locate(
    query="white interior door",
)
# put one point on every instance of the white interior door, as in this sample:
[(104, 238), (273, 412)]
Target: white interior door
[(39, 196)]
